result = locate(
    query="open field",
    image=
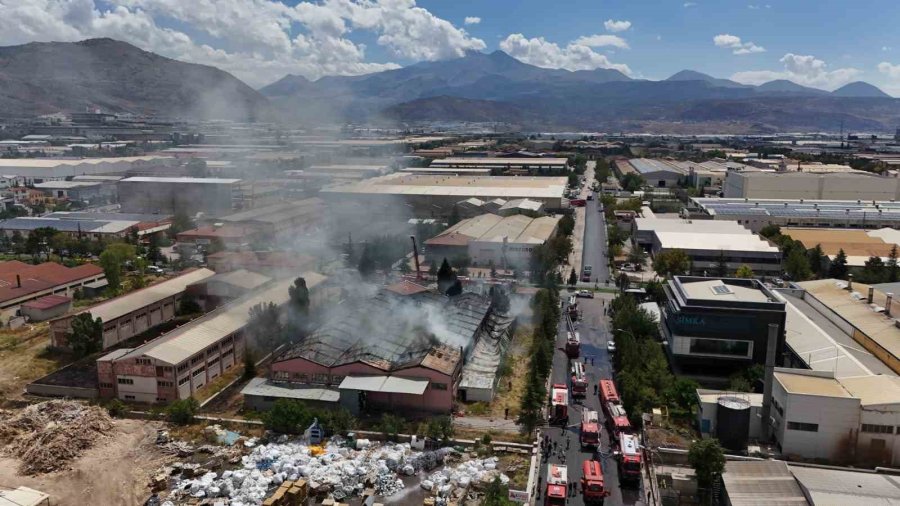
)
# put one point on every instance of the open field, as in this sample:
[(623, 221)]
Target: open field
[(24, 357)]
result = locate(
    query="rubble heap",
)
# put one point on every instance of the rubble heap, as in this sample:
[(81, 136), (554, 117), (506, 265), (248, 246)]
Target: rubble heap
[(46, 436), (334, 469)]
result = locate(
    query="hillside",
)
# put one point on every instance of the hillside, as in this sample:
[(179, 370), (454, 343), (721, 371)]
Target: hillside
[(114, 76)]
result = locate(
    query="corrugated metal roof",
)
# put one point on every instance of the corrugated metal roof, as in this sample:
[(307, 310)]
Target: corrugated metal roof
[(385, 384), (264, 388), (765, 483), (848, 487), (191, 180), (189, 339), (128, 303)]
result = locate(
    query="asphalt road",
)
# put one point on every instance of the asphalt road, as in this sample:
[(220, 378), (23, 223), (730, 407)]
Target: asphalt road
[(594, 331), (594, 249)]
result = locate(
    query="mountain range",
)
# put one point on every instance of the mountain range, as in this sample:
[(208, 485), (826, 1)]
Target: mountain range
[(115, 76)]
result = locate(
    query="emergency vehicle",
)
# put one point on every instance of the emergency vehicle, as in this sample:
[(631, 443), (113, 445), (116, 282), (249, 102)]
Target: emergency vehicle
[(590, 429), (608, 392), (573, 344), (593, 489), (557, 485), (559, 404), (579, 380), (629, 461), (617, 420)]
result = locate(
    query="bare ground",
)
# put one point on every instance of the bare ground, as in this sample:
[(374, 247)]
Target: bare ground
[(24, 358), (116, 471)]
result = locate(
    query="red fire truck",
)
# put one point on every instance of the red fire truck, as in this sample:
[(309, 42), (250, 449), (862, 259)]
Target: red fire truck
[(629, 461), (559, 404), (617, 420), (573, 344), (592, 487), (579, 380), (608, 392), (590, 429), (557, 485)]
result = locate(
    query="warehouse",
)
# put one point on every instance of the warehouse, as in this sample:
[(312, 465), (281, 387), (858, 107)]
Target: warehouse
[(179, 194), (437, 195), (858, 245), (644, 230), (512, 165), (21, 282), (398, 351), (214, 291), (817, 416), (716, 325), (89, 225), (91, 192), (128, 315), (178, 363), (757, 213), (38, 170), (490, 239), (657, 173), (813, 186), (707, 250), (285, 220)]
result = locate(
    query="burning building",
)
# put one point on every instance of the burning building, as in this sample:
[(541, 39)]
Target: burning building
[(396, 350)]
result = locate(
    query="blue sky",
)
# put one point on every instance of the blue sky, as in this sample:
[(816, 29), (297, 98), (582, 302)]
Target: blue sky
[(818, 43)]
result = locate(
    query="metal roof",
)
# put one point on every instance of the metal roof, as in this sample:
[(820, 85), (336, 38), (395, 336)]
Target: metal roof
[(648, 166), (64, 225), (808, 384), (761, 483), (123, 305), (699, 241), (193, 337), (264, 388), (184, 180), (829, 486), (386, 384)]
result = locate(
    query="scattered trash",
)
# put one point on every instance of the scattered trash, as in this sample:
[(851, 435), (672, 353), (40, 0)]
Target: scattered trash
[(46, 436)]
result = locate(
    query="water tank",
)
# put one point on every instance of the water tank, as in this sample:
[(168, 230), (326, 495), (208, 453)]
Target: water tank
[(733, 422)]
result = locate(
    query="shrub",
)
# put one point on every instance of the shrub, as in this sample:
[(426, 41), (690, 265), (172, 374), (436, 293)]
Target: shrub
[(182, 411)]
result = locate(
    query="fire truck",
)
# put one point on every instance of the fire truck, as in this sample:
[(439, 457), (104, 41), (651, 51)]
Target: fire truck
[(559, 404), (590, 429), (592, 488), (617, 420), (557, 485), (629, 462), (573, 344), (579, 380), (608, 392)]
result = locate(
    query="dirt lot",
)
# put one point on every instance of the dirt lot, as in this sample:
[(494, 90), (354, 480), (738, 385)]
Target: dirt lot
[(24, 358), (515, 369), (114, 472)]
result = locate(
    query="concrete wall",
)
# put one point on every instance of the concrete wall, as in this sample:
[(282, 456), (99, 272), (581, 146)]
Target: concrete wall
[(867, 449), (801, 185), (837, 419)]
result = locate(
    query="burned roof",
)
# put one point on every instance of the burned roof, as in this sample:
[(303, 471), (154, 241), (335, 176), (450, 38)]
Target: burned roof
[(391, 332)]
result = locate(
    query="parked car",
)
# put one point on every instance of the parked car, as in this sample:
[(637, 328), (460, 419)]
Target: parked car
[(611, 346), (153, 269), (586, 273), (585, 293)]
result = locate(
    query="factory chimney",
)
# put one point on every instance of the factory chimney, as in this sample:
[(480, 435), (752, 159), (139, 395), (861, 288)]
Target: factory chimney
[(871, 295)]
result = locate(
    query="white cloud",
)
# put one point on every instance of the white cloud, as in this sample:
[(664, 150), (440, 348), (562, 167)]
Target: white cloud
[(257, 40), (801, 69), (889, 69), (616, 26), (574, 56), (688, 5), (602, 41), (472, 20), (736, 45)]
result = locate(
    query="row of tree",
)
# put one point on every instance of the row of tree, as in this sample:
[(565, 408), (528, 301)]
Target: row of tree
[(546, 314)]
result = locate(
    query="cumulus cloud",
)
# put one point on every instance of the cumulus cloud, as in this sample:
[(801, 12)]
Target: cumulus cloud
[(889, 69), (801, 69), (688, 5), (736, 45), (472, 20), (577, 55), (616, 26), (257, 40)]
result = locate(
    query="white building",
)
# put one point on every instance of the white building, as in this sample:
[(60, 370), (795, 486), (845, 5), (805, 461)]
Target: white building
[(816, 416), (805, 185), (707, 249)]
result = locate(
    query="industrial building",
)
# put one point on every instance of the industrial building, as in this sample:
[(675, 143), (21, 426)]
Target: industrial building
[(128, 315), (92, 192), (45, 308), (401, 351), (170, 195), (818, 416), (812, 186), (512, 165), (708, 245), (437, 195), (490, 239), (717, 325), (89, 225), (655, 173), (284, 220), (267, 262), (224, 287), (38, 170), (752, 483), (178, 363), (757, 213), (21, 282), (858, 245)]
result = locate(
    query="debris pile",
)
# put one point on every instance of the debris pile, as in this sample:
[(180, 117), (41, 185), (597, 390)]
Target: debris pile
[(452, 482), (333, 469), (46, 436)]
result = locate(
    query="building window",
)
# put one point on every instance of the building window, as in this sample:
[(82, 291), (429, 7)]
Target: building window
[(106, 385), (724, 347), (125, 381), (877, 429), (336, 380), (183, 380), (806, 427), (320, 378), (129, 397), (164, 384), (198, 372), (438, 386), (282, 375), (160, 371)]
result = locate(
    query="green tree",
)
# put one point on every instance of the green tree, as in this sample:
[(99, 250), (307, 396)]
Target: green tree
[(573, 278), (567, 224), (180, 222), (264, 328), (496, 494), (770, 231), (797, 265), (670, 263), (838, 269), (655, 291), (112, 260), (638, 257), (708, 460), (873, 271), (632, 182), (390, 425), (86, 336), (182, 411), (893, 270), (288, 416), (683, 394), (744, 271), (721, 265), (817, 260)]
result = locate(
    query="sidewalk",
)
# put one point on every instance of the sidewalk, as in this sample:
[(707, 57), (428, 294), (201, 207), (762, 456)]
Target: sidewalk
[(578, 233)]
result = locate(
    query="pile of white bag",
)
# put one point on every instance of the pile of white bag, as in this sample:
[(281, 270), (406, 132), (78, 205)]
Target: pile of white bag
[(339, 470), (443, 481)]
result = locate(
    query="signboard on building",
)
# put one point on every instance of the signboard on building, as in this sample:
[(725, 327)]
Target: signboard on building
[(518, 496)]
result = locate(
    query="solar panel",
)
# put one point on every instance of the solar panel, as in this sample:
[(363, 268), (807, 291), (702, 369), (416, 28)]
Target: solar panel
[(721, 290)]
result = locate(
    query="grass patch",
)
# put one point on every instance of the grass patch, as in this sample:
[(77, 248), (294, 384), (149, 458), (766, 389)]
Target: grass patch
[(216, 385)]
